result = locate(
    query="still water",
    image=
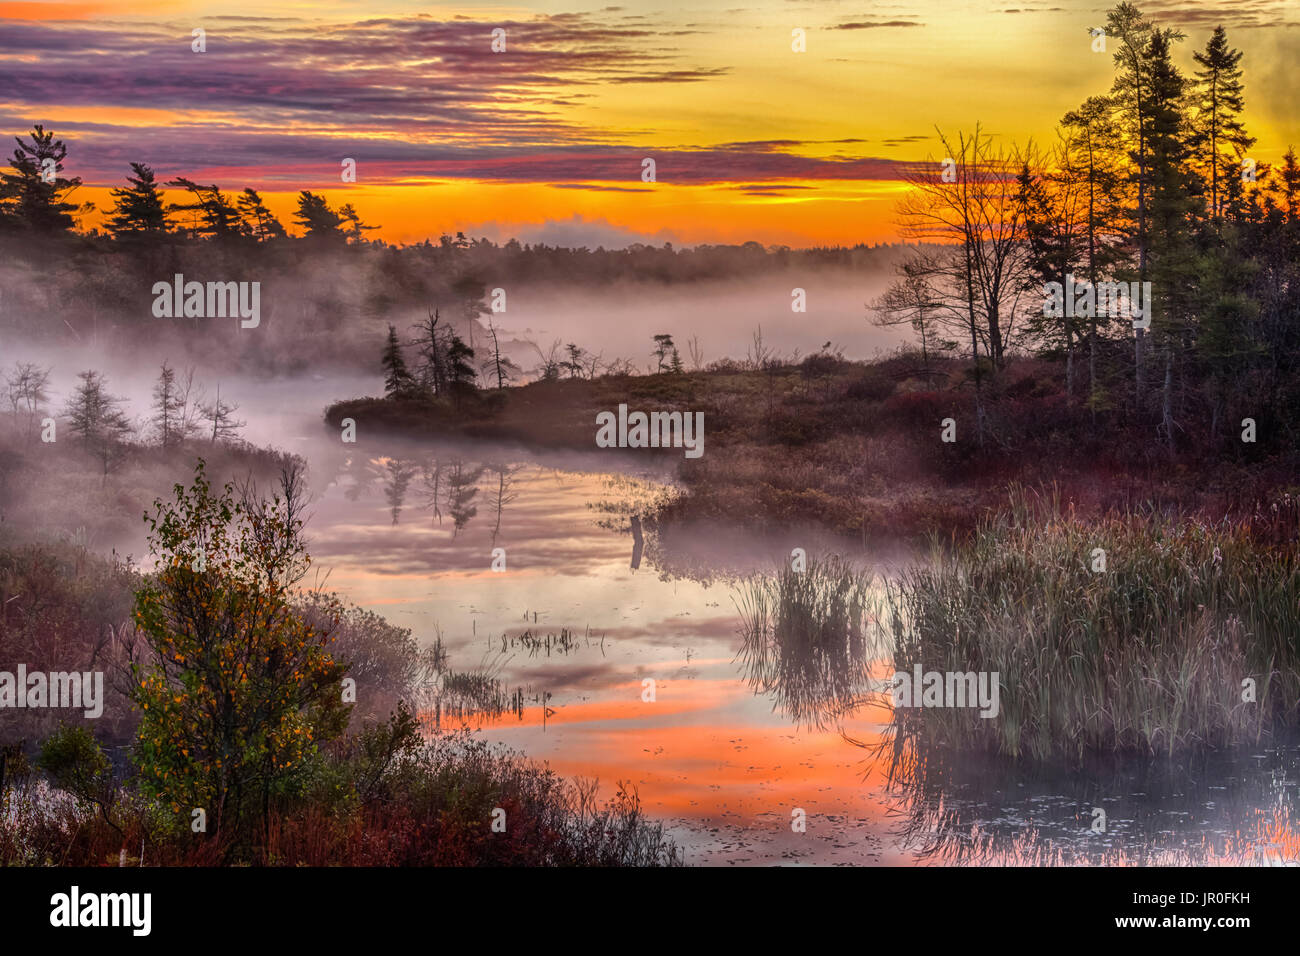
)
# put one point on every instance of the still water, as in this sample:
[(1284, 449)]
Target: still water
[(591, 606)]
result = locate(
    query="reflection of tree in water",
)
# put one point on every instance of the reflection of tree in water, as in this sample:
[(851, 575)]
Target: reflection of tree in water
[(806, 639), (361, 477), (462, 488), (1225, 808), (449, 486), (504, 493), (400, 473), (433, 488)]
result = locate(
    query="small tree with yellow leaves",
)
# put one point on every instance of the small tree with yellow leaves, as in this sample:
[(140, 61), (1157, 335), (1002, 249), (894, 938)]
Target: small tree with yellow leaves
[(236, 691)]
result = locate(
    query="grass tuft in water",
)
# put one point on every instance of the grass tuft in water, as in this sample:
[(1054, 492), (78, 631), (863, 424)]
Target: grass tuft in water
[(806, 638), (1148, 656)]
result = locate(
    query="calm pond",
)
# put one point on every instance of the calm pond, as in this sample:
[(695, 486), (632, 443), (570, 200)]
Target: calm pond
[(589, 608)]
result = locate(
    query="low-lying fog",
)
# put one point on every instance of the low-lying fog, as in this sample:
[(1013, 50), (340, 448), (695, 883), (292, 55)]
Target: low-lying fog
[(616, 320), (621, 320)]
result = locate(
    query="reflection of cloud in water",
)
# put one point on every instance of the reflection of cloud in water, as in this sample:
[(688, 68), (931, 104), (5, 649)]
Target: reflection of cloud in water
[(447, 516), (723, 764)]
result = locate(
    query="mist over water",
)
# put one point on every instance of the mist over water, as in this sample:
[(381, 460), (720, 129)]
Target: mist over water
[(583, 617), (620, 320), (616, 319)]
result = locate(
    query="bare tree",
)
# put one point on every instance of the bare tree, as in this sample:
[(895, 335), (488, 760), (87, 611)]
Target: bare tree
[(292, 482), (433, 366), (225, 427), (971, 200), (969, 205), (620, 366), (911, 300), (758, 356), (191, 412), (503, 368), (505, 494), (551, 361), (696, 353), (26, 390)]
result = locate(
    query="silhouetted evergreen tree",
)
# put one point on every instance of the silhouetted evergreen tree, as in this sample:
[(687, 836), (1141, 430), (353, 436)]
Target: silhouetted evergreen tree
[(258, 221), (32, 195), (397, 380), (138, 211), (317, 219)]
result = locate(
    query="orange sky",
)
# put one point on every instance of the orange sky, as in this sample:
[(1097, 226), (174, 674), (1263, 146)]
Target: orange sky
[(752, 139)]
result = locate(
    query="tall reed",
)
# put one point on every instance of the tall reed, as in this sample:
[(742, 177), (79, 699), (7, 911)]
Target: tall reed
[(1149, 655), (806, 638)]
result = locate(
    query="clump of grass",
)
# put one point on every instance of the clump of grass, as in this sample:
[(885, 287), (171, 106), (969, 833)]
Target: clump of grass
[(468, 695), (1148, 656), (806, 638), (561, 643)]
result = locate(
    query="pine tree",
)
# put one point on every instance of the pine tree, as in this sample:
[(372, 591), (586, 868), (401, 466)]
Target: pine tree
[(1130, 94), (1220, 102), (398, 382), (169, 407), (32, 196), (1089, 136), (355, 230), (1290, 186), (138, 210), (574, 363), (258, 221), (1052, 208), (663, 348), (461, 374), (1174, 266), (211, 214), (317, 219), (97, 419)]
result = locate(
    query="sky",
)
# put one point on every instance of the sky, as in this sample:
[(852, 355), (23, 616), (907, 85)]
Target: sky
[(546, 141)]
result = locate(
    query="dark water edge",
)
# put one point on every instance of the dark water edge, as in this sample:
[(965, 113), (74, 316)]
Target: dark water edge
[(1227, 807)]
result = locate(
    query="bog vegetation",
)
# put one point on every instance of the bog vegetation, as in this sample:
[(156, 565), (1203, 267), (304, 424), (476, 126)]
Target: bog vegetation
[(239, 729)]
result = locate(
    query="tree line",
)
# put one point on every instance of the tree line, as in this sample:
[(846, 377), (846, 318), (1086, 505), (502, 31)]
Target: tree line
[(35, 194), (98, 420), (1149, 182)]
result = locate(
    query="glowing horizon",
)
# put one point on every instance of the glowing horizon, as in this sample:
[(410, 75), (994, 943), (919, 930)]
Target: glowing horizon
[(545, 141)]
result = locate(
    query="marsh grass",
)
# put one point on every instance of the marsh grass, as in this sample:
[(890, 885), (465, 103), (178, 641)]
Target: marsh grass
[(1148, 656), (562, 643), (469, 696), (807, 638)]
